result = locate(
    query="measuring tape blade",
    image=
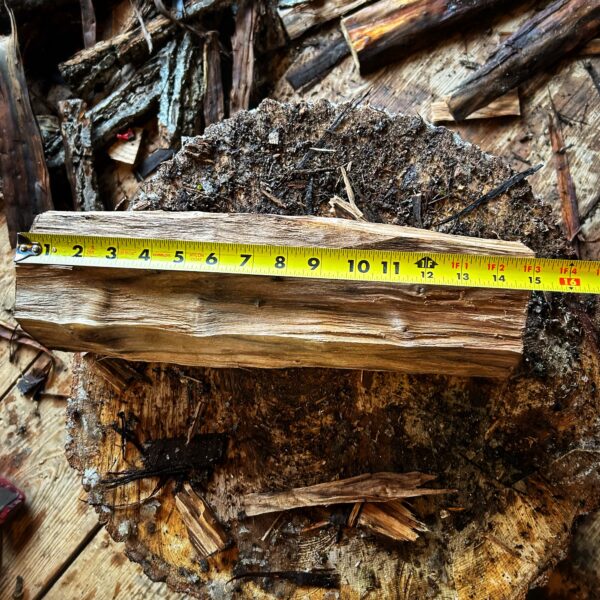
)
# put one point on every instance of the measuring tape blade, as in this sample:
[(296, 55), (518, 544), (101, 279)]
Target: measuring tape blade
[(429, 268)]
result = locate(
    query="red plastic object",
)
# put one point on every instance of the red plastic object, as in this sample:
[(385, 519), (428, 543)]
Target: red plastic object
[(126, 136), (11, 498)]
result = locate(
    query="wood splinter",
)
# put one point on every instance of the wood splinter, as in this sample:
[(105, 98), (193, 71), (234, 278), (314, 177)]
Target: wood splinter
[(376, 487), (205, 532), (391, 519)]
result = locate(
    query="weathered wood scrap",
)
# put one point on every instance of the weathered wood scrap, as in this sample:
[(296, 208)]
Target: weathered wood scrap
[(541, 41), (267, 322), (300, 16), (76, 130), (127, 150), (319, 65), (242, 49), (205, 531), (376, 487), (214, 101), (387, 30), (25, 180)]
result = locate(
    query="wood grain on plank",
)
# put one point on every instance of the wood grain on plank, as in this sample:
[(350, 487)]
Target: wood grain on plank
[(46, 534), (103, 571), (232, 320)]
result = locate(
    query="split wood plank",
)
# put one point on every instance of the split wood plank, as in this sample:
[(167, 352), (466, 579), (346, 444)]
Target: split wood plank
[(233, 320), (508, 105), (302, 16), (376, 487), (384, 31), (117, 578), (25, 180), (48, 533), (541, 41)]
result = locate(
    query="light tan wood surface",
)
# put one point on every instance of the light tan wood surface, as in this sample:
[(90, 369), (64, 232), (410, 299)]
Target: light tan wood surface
[(221, 320)]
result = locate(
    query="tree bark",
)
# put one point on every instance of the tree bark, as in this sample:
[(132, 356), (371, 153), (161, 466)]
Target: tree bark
[(541, 41), (214, 101), (25, 180), (76, 130), (242, 48)]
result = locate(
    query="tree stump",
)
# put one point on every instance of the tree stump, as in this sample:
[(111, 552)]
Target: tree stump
[(522, 453)]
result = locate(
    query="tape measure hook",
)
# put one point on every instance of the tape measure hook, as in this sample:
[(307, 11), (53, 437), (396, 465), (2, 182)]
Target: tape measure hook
[(26, 248)]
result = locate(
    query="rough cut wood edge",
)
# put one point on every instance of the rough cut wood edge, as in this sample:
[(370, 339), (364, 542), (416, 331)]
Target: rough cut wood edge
[(303, 16), (508, 105), (376, 487), (234, 320), (205, 532)]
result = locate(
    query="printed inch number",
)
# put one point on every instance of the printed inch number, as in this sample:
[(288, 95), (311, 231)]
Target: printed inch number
[(363, 266), (314, 263)]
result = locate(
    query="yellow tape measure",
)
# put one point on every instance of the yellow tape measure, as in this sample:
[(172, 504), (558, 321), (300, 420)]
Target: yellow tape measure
[(461, 270)]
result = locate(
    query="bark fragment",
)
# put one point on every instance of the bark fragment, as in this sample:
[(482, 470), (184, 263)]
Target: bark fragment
[(26, 184), (243, 56), (76, 130)]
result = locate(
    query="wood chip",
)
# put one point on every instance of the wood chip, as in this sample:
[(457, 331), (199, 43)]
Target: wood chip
[(205, 532), (508, 105), (127, 151)]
